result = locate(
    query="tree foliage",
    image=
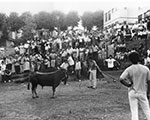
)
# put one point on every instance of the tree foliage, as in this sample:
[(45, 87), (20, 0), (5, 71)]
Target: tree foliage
[(44, 20), (98, 19), (87, 20), (72, 18), (3, 28), (14, 21), (90, 19), (29, 26), (58, 20), (3, 19)]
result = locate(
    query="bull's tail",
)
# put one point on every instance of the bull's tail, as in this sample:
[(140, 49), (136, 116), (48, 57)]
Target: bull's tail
[(28, 86)]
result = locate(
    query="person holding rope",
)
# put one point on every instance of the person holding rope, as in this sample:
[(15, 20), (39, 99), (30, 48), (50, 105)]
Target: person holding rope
[(65, 66), (137, 77), (93, 73)]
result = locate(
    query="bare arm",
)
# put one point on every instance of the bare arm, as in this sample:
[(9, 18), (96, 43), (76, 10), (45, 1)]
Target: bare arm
[(125, 82)]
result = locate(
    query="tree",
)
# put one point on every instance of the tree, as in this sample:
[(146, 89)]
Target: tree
[(58, 20), (14, 21), (44, 20), (29, 26), (72, 19), (98, 19), (3, 19), (3, 28), (87, 20)]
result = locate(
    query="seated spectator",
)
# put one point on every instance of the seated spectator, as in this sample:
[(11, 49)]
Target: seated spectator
[(6, 74)]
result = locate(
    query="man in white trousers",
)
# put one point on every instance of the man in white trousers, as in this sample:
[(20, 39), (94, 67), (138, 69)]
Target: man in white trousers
[(136, 77), (93, 73)]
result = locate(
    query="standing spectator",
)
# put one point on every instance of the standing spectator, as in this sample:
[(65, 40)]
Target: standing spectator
[(17, 64), (111, 62), (3, 68), (95, 52), (21, 48), (93, 73), (71, 63), (147, 61), (6, 74), (26, 64), (53, 59), (78, 69), (65, 66), (139, 77)]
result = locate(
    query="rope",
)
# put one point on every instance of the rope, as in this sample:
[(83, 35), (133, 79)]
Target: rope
[(46, 73)]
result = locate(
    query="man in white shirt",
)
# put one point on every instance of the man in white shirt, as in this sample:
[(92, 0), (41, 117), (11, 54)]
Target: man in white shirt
[(110, 62), (64, 66), (138, 77), (71, 63), (78, 69)]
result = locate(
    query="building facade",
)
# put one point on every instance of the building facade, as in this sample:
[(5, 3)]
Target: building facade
[(118, 15), (144, 13)]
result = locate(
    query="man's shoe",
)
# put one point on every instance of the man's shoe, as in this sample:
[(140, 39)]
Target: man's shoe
[(89, 86), (93, 87)]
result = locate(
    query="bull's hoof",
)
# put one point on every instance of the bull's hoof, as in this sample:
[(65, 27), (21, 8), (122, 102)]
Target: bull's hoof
[(53, 97), (37, 96), (33, 97)]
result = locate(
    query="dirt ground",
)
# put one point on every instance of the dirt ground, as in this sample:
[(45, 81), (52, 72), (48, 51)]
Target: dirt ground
[(73, 102)]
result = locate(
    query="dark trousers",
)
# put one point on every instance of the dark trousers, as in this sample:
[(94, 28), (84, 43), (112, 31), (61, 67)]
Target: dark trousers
[(6, 78), (78, 74), (17, 69)]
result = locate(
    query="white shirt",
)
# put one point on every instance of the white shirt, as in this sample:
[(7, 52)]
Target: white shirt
[(78, 65), (139, 75), (110, 62), (70, 50), (64, 53), (3, 67), (64, 65), (70, 61), (147, 61)]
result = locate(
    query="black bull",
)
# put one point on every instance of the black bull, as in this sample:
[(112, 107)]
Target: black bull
[(47, 79)]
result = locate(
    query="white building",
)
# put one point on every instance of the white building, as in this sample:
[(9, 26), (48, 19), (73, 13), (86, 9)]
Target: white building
[(118, 15), (144, 13)]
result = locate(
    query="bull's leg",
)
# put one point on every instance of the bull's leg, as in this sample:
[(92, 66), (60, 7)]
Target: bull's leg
[(34, 94), (54, 89)]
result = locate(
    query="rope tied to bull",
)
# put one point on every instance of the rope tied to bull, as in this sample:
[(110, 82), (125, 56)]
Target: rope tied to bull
[(46, 73)]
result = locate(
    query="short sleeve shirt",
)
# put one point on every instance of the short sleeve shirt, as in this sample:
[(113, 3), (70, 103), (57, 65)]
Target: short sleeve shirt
[(110, 62), (139, 74)]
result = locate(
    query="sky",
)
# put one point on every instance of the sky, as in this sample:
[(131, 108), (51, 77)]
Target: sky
[(35, 6)]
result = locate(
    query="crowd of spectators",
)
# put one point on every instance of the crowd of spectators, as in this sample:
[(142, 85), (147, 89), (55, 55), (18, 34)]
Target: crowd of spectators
[(72, 47)]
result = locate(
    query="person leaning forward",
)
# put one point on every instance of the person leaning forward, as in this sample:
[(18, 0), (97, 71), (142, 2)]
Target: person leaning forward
[(136, 77)]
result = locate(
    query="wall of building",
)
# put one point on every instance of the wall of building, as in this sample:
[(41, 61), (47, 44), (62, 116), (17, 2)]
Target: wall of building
[(121, 14)]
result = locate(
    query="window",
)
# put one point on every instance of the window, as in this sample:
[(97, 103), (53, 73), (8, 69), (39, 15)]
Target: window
[(147, 15), (109, 15), (105, 17), (139, 18)]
